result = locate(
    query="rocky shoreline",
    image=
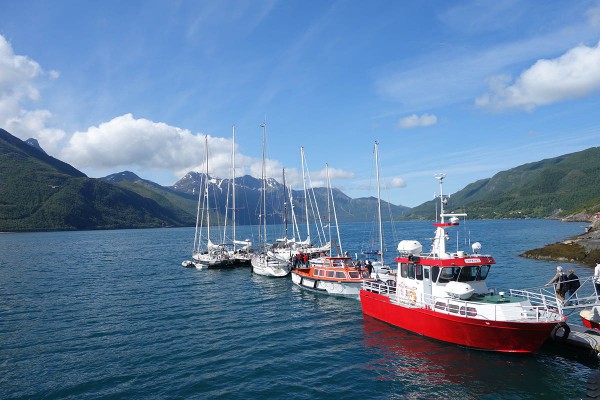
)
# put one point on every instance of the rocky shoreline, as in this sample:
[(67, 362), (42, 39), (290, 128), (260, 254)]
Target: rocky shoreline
[(583, 249)]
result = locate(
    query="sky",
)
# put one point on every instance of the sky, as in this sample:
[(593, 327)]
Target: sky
[(464, 88)]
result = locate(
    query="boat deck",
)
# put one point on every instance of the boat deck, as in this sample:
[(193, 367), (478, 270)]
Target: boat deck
[(495, 299)]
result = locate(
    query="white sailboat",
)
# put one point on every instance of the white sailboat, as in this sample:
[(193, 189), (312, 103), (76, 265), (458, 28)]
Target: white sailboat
[(266, 262), (240, 250), (205, 253), (380, 270)]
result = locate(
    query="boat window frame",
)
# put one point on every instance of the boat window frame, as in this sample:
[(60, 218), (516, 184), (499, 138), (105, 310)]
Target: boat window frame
[(340, 274), (407, 270), (404, 270), (443, 278), (418, 272), (483, 276)]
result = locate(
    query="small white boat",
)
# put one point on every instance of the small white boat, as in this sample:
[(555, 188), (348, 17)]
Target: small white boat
[(268, 264)]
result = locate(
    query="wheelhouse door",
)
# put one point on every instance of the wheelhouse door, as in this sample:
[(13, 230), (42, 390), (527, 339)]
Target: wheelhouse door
[(427, 285)]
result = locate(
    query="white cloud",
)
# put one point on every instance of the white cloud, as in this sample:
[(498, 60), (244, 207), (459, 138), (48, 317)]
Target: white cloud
[(573, 75), (18, 76), (396, 182), (593, 15), (126, 141), (413, 121)]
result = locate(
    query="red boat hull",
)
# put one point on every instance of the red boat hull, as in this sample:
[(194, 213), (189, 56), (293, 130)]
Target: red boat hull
[(502, 336), (590, 324), (587, 317)]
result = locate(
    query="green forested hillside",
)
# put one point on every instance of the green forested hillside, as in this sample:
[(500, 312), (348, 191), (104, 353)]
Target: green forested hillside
[(552, 187), (39, 192), (177, 201)]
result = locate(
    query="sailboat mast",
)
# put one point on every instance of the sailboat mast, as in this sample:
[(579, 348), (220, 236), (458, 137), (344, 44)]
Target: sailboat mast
[(379, 202), (196, 239), (305, 193), (233, 185), (264, 188), (337, 226), (328, 208), (206, 191), (285, 206)]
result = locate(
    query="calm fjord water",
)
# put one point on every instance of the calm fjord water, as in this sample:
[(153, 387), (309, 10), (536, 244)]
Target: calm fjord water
[(112, 314)]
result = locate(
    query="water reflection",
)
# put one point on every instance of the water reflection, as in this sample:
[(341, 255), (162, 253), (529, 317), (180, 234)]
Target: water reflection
[(422, 368)]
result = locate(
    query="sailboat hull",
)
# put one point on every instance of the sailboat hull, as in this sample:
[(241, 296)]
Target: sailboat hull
[(269, 266)]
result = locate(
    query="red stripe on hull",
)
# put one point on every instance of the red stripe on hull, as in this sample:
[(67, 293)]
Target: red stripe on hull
[(590, 324), (500, 336)]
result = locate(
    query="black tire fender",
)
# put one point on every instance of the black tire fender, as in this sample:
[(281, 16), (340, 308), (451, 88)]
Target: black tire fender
[(556, 332)]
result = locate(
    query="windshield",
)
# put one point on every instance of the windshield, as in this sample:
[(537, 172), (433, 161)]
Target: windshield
[(461, 274)]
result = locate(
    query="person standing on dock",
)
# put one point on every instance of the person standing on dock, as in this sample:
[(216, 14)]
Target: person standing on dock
[(597, 278), (560, 283), (572, 286)]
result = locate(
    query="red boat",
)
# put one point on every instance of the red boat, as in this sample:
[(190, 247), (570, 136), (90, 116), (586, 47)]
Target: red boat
[(444, 296), (591, 317)]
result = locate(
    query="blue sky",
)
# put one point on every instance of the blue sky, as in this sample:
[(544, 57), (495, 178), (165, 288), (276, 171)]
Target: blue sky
[(466, 88)]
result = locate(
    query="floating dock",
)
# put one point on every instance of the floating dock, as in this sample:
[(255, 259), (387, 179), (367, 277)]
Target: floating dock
[(578, 336)]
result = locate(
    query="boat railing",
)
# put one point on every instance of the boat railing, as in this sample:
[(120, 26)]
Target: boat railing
[(436, 256), (539, 297), (379, 286), (496, 311), (587, 294)]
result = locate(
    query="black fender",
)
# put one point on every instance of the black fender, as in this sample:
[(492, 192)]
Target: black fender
[(556, 332)]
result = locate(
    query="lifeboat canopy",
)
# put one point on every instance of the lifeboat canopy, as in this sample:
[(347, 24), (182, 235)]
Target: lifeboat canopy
[(462, 290), (411, 247)]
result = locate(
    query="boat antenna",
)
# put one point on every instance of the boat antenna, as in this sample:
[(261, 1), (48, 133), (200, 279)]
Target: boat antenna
[(443, 199)]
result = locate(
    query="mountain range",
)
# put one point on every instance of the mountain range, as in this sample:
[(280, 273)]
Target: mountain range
[(40, 192)]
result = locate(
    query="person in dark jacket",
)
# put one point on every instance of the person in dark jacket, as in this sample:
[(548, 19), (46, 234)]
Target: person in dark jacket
[(572, 286), (559, 281)]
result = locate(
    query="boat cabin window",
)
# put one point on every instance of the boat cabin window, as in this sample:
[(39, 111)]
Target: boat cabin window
[(461, 274), (419, 272), (318, 272), (448, 274), (354, 274), (330, 274), (468, 311), (482, 272), (453, 308), (407, 270), (340, 274)]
